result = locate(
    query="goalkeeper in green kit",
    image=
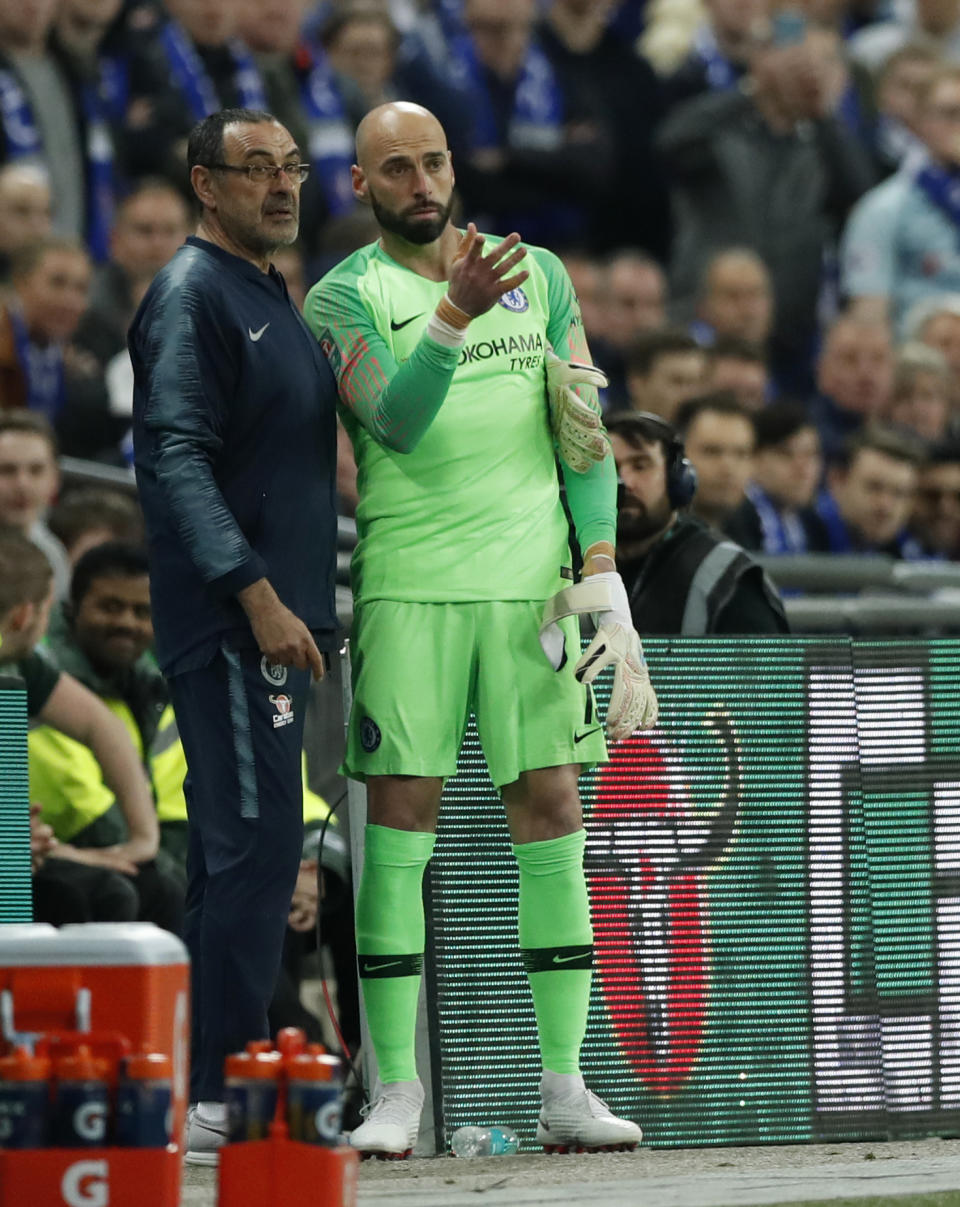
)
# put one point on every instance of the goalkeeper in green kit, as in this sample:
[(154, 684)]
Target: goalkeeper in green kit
[(452, 351)]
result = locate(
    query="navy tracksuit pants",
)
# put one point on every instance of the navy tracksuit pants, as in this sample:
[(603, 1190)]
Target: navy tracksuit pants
[(241, 724)]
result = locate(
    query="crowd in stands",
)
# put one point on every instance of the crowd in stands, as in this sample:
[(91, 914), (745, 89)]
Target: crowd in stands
[(756, 198)]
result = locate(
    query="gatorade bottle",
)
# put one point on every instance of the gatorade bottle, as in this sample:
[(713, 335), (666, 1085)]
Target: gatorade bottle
[(251, 1082), (24, 1100), (81, 1100), (314, 1098), (291, 1041), (144, 1117)]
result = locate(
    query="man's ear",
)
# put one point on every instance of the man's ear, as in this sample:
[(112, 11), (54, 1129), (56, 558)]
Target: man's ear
[(19, 618), (202, 185), (359, 181)]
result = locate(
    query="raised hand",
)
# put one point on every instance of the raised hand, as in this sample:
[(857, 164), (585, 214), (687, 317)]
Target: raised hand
[(478, 281)]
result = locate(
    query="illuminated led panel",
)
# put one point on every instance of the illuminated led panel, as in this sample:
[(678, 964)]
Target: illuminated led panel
[(15, 887), (775, 887), (699, 1021)]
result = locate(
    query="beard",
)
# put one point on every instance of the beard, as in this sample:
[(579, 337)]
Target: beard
[(636, 523), (419, 232)]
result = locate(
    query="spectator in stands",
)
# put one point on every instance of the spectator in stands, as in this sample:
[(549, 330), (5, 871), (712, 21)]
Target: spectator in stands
[(936, 323), (901, 84), (735, 299), (738, 366), (871, 494), (663, 369), (78, 35), (680, 576), (64, 890), (38, 321), (854, 380), (536, 149), (100, 639), (770, 167), (361, 42), (632, 300), (56, 699), (719, 438), (902, 241), (183, 62), (935, 522), (87, 516), (29, 481), (587, 276), (787, 468), (305, 93), (591, 59), (921, 398), (25, 210), (52, 111), (633, 296), (151, 223), (721, 49), (931, 23), (103, 637)]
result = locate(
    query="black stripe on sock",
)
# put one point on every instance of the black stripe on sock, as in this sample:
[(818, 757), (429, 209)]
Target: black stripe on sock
[(557, 959), (390, 965)]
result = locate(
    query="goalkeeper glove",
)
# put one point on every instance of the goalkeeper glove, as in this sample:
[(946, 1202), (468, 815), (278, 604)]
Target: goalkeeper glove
[(577, 428), (633, 702)]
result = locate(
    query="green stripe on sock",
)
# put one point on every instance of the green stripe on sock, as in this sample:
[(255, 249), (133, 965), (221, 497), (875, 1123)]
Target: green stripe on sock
[(554, 916), (389, 919)]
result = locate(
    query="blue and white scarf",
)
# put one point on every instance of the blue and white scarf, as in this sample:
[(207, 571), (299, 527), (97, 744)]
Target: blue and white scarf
[(23, 142), (537, 119), (721, 74), (331, 142), (42, 367), (193, 80), (783, 531), (941, 186)]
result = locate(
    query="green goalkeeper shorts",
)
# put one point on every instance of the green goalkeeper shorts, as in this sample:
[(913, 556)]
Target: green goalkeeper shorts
[(420, 669)]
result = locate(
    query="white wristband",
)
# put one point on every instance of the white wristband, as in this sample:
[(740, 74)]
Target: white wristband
[(445, 333)]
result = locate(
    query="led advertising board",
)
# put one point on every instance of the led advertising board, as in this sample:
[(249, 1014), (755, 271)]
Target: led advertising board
[(775, 887)]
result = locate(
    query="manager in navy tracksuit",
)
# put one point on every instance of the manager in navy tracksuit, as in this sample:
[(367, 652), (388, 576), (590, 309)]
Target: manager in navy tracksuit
[(235, 442)]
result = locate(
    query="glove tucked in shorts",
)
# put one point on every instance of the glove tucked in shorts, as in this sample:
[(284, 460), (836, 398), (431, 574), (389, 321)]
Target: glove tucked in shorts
[(420, 669)]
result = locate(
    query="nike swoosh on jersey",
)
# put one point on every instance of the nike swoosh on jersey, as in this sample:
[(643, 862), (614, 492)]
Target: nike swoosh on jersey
[(255, 335), (395, 326), (368, 967), (567, 959), (578, 737)]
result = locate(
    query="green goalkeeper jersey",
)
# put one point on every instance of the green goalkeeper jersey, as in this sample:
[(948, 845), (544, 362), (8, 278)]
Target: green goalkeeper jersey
[(471, 510)]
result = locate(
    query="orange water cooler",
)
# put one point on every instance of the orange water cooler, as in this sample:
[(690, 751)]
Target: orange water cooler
[(120, 989)]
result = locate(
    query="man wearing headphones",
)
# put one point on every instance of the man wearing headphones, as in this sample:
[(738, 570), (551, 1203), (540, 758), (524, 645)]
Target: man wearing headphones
[(681, 576)]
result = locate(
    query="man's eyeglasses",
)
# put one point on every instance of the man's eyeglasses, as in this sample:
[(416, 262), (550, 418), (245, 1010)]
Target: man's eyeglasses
[(260, 173)]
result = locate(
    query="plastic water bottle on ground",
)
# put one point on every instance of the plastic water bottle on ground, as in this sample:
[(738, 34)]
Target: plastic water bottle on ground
[(484, 1141)]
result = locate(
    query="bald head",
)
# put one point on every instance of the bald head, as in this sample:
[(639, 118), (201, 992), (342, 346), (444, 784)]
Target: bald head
[(403, 171), (395, 124)]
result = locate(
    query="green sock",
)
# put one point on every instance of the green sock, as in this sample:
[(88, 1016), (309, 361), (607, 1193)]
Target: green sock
[(556, 942), (390, 937)]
